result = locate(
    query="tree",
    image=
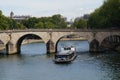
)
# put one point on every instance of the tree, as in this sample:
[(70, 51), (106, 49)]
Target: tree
[(49, 25), (56, 21), (94, 20), (30, 23), (39, 25), (0, 12), (80, 24), (59, 21), (8, 23), (3, 23), (107, 16)]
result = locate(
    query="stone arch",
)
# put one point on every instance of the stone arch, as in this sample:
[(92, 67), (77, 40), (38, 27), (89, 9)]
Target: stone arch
[(111, 42), (100, 36), (68, 35), (19, 41)]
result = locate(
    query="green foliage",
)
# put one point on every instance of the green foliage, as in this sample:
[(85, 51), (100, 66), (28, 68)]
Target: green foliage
[(0, 12), (3, 23), (39, 25), (49, 25), (80, 24), (56, 21), (107, 16), (30, 23), (59, 21), (7, 23)]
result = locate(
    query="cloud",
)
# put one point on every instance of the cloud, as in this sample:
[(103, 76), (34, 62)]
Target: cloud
[(48, 7)]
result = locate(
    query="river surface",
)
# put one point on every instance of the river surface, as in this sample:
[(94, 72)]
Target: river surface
[(34, 64)]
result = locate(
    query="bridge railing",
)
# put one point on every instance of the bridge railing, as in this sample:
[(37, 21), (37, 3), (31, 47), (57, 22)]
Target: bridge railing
[(59, 30)]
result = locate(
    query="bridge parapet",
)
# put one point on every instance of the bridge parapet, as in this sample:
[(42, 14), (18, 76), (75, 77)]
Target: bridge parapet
[(59, 30)]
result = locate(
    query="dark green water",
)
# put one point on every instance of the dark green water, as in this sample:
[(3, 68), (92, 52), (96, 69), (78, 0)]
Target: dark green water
[(34, 64)]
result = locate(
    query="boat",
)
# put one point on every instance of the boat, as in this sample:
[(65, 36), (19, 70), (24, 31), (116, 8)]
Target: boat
[(67, 54)]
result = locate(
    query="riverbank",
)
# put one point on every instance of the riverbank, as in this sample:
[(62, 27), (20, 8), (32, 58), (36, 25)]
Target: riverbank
[(74, 39), (32, 41)]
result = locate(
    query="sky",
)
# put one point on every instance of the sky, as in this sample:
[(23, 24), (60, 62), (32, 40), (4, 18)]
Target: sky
[(39, 8)]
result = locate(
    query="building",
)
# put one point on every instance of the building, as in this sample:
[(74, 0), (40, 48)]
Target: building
[(18, 18), (85, 17)]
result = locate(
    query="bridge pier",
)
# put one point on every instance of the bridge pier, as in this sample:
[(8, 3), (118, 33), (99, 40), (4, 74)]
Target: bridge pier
[(11, 48), (50, 46), (94, 46)]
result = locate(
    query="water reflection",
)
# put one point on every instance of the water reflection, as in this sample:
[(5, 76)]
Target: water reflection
[(110, 64), (29, 49)]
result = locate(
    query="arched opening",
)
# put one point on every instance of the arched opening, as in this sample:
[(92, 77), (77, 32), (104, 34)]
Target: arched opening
[(111, 43), (31, 44), (2, 48), (80, 43)]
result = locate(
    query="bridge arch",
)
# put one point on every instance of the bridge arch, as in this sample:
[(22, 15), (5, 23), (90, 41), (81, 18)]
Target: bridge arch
[(26, 36), (100, 36), (58, 36), (111, 42), (72, 36)]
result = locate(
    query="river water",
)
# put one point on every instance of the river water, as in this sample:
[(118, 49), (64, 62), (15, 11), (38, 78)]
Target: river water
[(34, 64)]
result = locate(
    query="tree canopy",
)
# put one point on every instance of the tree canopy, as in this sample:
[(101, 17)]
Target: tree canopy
[(7, 23), (56, 21), (107, 16), (79, 24)]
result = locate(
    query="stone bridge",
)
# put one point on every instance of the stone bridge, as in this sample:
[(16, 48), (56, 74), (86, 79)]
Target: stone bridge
[(12, 39)]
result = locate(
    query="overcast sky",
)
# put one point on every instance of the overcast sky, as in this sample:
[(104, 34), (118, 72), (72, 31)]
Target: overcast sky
[(38, 8)]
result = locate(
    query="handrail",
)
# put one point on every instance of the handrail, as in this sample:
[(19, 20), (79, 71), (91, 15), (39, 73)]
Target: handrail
[(59, 30)]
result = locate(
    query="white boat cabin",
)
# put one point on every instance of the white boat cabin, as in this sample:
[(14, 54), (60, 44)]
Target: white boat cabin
[(68, 49)]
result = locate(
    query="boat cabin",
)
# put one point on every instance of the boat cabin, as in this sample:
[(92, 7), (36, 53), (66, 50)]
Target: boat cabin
[(66, 54)]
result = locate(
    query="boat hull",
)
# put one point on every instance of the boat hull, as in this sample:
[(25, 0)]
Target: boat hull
[(64, 60)]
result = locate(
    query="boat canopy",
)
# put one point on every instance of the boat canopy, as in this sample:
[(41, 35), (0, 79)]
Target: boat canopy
[(68, 48)]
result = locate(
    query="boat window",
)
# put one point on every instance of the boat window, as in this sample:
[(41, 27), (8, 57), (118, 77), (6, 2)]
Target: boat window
[(60, 56), (67, 48)]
